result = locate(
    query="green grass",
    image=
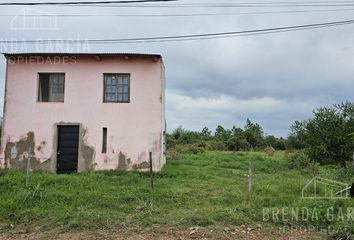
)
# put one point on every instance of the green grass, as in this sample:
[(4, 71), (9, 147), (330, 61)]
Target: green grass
[(193, 189)]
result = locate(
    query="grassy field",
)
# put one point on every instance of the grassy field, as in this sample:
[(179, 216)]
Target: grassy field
[(192, 189)]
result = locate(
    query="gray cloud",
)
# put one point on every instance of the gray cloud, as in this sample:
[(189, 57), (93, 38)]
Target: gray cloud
[(272, 79)]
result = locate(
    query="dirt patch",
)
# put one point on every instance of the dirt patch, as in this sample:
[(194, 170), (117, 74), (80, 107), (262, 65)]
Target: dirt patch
[(165, 233)]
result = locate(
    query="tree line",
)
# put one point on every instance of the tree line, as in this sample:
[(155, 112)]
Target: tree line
[(250, 137), (325, 138)]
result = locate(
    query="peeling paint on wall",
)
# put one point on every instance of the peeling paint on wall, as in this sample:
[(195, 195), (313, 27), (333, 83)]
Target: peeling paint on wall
[(88, 155), (87, 152), (143, 162), (123, 162), (16, 153), (141, 166), (155, 148), (41, 146)]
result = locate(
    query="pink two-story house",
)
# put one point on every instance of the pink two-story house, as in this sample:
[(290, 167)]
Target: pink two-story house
[(78, 112)]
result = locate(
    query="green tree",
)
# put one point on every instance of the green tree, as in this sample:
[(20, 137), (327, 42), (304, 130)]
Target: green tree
[(206, 133), (237, 140), (254, 134), (328, 136), (222, 134)]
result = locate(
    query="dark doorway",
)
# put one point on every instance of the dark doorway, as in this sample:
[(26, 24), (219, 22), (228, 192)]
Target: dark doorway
[(68, 149)]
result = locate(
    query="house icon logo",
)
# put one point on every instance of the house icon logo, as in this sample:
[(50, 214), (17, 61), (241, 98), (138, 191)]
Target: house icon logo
[(32, 19), (321, 188)]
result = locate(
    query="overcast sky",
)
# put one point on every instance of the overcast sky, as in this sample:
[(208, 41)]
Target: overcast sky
[(271, 79)]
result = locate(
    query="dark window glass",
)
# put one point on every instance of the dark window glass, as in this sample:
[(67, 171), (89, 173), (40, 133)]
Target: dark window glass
[(116, 88), (104, 140), (51, 87)]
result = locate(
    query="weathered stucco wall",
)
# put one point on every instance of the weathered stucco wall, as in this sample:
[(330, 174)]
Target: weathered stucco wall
[(134, 129)]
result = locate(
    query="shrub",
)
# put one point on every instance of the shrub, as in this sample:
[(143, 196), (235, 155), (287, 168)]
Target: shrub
[(288, 153), (191, 149), (270, 151), (173, 156), (301, 160), (346, 173), (216, 146), (237, 144)]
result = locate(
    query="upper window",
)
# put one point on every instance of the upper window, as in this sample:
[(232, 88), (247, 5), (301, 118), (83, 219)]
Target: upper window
[(51, 87), (116, 88)]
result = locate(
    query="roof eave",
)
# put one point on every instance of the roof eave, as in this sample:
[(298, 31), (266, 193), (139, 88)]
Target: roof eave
[(138, 55)]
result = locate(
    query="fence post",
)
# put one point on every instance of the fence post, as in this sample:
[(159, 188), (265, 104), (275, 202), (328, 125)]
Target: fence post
[(151, 172), (28, 167), (249, 178)]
